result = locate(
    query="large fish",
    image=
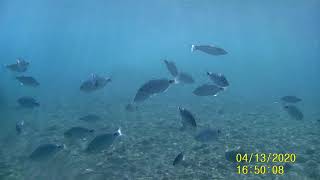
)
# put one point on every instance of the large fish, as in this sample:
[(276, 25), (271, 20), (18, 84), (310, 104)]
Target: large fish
[(208, 135), (94, 83), (28, 81), (184, 78), (294, 112), (151, 88), (28, 102), (19, 66), (209, 49), (45, 151), (172, 68), (187, 119), (102, 142), (219, 79), (291, 99), (207, 90)]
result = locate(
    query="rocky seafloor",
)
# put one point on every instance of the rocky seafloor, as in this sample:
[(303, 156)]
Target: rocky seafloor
[(152, 139)]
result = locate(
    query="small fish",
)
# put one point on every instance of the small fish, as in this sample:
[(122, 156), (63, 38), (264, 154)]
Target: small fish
[(207, 90), (209, 49), (187, 119), (28, 102), (102, 142), (151, 88), (219, 79), (172, 68), (94, 83), (179, 158), (78, 132), (294, 112), (290, 99), (131, 107), (184, 78), (90, 118), (19, 66), (19, 127), (208, 135), (45, 151), (28, 81)]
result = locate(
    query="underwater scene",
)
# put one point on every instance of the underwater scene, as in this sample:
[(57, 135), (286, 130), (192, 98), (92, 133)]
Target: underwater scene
[(159, 89)]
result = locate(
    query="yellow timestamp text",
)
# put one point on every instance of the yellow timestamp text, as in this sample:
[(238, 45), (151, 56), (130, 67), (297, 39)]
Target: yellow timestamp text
[(264, 169), (266, 158)]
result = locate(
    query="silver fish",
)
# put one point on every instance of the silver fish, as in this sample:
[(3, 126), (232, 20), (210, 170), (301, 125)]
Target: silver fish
[(94, 83), (28, 81), (45, 151), (219, 79), (187, 119), (78, 132), (19, 66), (184, 78), (172, 68), (28, 102), (294, 112), (290, 99), (151, 88), (102, 142), (207, 90), (209, 49)]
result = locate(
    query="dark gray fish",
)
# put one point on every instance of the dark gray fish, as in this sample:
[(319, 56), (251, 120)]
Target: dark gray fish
[(90, 118), (45, 151), (28, 81), (208, 135), (294, 112), (94, 83), (151, 88), (19, 127), (78, 132), (19, 66), (187, 119), (179, 158), (207, 90), (290, 99), (212, 50), (131, 107), (172, 68), (102, 142), (28, 102), (184, 78), (231, 155), (219, 79)]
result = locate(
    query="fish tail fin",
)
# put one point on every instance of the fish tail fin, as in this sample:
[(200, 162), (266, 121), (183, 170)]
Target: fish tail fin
[(193, 47)]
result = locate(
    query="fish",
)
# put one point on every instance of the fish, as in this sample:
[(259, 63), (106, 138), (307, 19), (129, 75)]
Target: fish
[(94, 83), (131, 107), (20, 66), (179, 158), (45, 151), (172, 68), (28, 81), (294, 112), (187, 119), (207, 90), (209, 49), (78, 132), (208, 135), (90, 118), (28, 102), (151, 88), (102, 142), (231, 154), (219, 79), (290, 99), (184, 78), (19, 127)]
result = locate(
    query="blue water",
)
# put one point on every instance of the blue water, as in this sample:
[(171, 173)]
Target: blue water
[(273, 50)]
